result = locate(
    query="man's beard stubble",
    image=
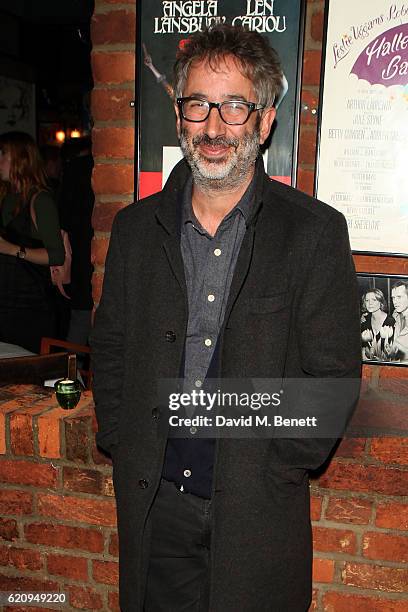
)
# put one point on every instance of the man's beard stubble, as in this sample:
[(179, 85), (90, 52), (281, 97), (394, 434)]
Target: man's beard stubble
[(220, 174)]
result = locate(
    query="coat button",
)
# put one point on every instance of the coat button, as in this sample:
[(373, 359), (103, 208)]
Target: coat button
[(170, 336), (156, 413), (143, 484)]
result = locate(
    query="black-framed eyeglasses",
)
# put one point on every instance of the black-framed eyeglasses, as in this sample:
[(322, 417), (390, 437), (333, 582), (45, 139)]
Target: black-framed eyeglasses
[(232, 112)]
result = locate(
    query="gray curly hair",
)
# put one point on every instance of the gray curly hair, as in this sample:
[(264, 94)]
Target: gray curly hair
[(258, 61)]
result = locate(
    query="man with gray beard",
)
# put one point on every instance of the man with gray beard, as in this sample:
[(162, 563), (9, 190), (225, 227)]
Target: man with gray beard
[(224, 274)]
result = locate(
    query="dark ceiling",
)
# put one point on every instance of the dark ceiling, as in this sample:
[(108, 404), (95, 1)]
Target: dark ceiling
[(52, 38), (50, 11)]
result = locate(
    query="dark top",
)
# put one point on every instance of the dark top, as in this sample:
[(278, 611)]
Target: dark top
[(20, 229), (75, 205), (209, 264)]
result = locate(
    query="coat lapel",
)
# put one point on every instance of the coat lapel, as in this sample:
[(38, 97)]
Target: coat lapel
[(169, 215)]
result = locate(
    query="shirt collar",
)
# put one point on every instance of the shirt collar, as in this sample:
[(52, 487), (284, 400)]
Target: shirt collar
[(244, 206)]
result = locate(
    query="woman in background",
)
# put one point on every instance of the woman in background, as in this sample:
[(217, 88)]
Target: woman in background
[(30, 241), (377, 326)]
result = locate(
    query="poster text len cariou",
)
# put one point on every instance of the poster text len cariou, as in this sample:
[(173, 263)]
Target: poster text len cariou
[(188, 16)]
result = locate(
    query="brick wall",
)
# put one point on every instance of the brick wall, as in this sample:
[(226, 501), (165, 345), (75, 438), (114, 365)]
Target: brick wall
[(56, 493), (58, 521), (58, 527)]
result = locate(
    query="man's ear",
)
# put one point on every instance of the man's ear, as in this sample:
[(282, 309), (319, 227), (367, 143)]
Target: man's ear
[(267, 119), (178, 120)]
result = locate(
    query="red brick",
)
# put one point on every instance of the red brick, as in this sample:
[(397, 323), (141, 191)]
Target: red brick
[(107, 486), (394, 385), (392, 515), (113, 27), (97, 282), (104, 213), (49, 433), (393, 379), (316, 26), (323, 570), (21, 434), (311, 101), (351, 447), (84, 598), (91, 511), (114, 67), (315, 507), (367, 478), (384, 414), (62, 536), (385, 547), (8, 529), (113, 178), (311, 67), (387, 265), (344, 602), (75, 568), (390, 450), (28, 473), (349, 510), (78, 439), (24, 583), (21, 558), (391, 579), (113, 142), (112, 105), (106, 572), (314, 604), (307, 147), (114, 545), (99, 250), (24, 609), (305, 180), (85, 481), (334, 540), (367, 370), (15, 502), (113, 601)]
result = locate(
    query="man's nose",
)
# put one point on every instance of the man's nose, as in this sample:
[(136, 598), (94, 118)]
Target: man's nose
[(214, 125)]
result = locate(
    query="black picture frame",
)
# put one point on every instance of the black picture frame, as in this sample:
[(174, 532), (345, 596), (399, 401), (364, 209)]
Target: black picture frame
[(382, 348), (154, 114)]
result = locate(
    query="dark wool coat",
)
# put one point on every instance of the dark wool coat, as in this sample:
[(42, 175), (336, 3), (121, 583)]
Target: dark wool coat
[(293, 311)]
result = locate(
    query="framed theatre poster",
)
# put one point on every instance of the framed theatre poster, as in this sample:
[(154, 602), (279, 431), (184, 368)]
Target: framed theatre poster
[(363, 137), (17, 106), (384, 318), (163, 28)]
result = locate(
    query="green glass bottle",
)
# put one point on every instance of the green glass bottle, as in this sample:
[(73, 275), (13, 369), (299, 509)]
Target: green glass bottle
[(68, 390)]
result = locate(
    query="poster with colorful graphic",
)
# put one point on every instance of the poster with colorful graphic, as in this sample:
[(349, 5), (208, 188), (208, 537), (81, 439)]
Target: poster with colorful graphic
[(163, 27), (362, 167)]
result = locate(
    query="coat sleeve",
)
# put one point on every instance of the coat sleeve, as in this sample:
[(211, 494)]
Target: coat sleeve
[(327, 328), (107, 343)]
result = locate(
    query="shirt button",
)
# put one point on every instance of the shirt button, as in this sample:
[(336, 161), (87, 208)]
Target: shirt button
[(217, 252), (207, 342), (187, 473), (156, 413), (170, 336), (198, 383), (211, 297), (193, 430), (143, 483)]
